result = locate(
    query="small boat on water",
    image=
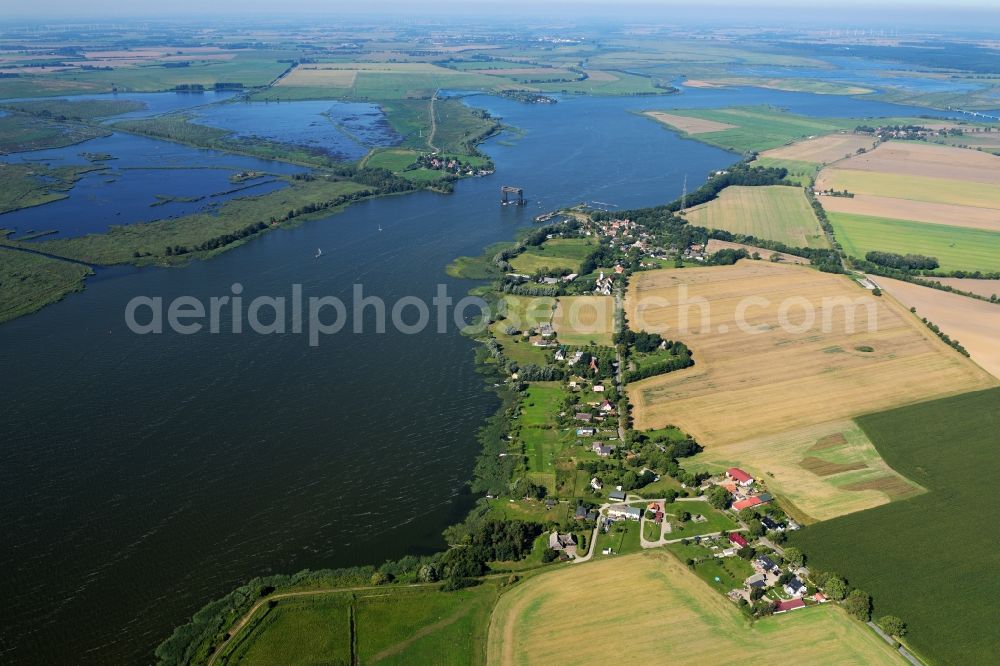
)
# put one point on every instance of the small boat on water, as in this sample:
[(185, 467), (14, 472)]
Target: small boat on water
[(380, 227), (319, 252)]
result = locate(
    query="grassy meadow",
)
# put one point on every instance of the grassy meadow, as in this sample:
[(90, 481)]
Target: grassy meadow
[(759, 128), (388, 626), (931, 560), (775, 212), (29, 282), (554, 254)]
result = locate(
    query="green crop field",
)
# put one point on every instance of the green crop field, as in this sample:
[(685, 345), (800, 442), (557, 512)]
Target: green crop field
[(932, 560), (956, 248), (760, 128), (776, 212), (390, 625)]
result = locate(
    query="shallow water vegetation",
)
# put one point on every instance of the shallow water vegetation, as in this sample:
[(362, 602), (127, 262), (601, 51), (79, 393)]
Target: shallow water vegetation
[(28, 282)]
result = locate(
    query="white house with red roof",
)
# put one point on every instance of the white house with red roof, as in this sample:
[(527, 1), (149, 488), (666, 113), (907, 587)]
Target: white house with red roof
[(739, 476)]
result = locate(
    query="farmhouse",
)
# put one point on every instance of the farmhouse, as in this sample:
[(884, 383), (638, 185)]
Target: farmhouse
[(785, 606), (739, 476), (746, 503)]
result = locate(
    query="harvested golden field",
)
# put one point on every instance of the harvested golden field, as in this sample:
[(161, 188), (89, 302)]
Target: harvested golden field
[(823, 149), (714, 245), (985, 288), (818, 472), (773, 212), (689, 125), (974, 323), (915, 188), (578, 320), (929, 160), (763, 368), (918, 211), (667, 615), (698, 83)]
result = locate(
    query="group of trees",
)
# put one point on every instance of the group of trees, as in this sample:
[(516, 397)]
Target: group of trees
[(903, 262)]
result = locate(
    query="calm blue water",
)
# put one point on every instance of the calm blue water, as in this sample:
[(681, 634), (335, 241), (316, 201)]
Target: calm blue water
[(343, 130), (141, 476), (127, 189), (862, 72)]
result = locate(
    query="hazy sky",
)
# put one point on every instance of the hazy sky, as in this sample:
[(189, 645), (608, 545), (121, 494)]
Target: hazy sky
[(979, 18), (109, 9)]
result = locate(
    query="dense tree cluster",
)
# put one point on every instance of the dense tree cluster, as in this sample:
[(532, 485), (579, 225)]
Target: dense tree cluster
[(903, 262)]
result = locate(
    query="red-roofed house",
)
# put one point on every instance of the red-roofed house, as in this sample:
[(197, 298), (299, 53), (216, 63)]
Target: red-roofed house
[(739, 476), (785, 606), (738, 540), (747, 503)]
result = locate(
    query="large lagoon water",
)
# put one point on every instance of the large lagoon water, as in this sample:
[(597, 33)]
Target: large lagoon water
[(142, 476)]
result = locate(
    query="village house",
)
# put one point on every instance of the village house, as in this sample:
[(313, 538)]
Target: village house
[(563, 543), (596, 483), (738, 540), (756, 581), (603, 285), (606, 406), (602, 450), (746, 503), (739, 476), (560, 355), (584, 416), (764, 563), (617, 496), (585, 432), (770, 525), (795, 588)]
